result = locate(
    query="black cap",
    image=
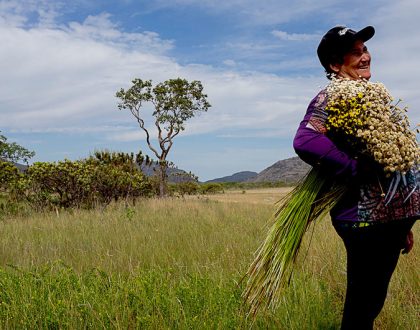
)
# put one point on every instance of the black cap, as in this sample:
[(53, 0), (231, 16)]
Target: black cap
[(338, 41)]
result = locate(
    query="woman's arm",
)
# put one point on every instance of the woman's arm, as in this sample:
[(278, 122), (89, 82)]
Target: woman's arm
[(315, 148)]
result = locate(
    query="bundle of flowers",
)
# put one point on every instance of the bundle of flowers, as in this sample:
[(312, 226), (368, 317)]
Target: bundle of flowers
[(362, 112)]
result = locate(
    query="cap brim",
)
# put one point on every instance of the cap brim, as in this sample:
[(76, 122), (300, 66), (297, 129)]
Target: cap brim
[(365, 34)]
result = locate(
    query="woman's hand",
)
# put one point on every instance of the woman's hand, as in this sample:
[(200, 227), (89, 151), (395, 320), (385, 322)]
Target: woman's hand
[(409, 242)]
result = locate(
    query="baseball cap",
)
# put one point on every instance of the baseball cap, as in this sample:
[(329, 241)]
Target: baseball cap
[(338, 41)]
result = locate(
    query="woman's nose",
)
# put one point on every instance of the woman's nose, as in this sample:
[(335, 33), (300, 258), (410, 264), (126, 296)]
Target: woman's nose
[(366, 57)]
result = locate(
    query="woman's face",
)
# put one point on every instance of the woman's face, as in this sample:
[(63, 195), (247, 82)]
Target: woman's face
[(356, 64)]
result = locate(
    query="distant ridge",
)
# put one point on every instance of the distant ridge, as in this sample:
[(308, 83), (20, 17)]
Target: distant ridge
[(289, 171), (237, 177), (175, 175)]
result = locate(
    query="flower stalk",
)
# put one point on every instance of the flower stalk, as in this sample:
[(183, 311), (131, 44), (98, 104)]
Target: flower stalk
[(273, 265)]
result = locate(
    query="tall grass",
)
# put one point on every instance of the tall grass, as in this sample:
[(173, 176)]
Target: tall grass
[(171, 264), (156, 233)]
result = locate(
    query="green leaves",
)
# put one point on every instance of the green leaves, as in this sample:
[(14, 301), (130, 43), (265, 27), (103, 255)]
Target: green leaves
[(13, 152), (175, 101), (9, 175), (84, 183), (137, 94)]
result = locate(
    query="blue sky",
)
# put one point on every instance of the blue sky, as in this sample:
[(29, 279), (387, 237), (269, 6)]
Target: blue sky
[(62, 62)]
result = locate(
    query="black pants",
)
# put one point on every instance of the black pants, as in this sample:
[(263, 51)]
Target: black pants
[(372, 255)]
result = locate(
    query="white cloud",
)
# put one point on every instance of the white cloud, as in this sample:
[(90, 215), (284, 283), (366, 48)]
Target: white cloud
[(68, 75), (16, 12), (128, 135), (294, 36), (102, 29), (229, 62), (64, 78)]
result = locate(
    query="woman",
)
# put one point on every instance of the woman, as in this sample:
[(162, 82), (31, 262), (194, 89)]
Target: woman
[(373, 233)]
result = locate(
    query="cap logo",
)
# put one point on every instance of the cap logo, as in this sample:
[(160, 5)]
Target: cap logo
[(343, 31)]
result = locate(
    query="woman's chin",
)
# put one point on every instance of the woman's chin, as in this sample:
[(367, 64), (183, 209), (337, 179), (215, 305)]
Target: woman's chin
[(364, 74)]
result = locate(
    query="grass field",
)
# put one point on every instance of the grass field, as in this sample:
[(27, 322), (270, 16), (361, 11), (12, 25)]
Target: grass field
[(174, 264)]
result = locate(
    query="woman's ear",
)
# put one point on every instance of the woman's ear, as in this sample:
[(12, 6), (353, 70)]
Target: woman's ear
[(335, 67)]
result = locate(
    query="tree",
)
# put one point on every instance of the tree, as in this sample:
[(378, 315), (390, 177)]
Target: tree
[(12, 152), (175, 101)]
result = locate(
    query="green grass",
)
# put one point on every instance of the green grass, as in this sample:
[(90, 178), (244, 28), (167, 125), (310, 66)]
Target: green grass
[(171, 264)]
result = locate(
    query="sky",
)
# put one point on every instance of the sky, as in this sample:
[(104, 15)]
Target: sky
[(61, 63)]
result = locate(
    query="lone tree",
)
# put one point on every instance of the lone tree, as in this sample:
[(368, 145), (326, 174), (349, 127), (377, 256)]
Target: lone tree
[(175, 101)]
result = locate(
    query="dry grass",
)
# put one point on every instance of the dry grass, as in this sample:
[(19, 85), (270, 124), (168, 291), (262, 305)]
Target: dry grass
[(266, 196), (193, 234), (191, 250)]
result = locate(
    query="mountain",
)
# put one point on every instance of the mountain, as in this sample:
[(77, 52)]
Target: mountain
[(237, 177), (289, 171), (175, 175), (21, 167)]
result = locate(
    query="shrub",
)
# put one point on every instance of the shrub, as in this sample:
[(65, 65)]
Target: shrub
[(186, 188), (82, 183), (211, 188), (9, 174)]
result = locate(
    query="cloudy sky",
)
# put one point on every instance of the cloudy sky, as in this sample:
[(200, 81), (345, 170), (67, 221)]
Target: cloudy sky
[(61, 63)]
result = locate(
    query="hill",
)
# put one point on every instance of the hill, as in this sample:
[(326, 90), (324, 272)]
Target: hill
[(237, 177), (289, 171), (175, 175)]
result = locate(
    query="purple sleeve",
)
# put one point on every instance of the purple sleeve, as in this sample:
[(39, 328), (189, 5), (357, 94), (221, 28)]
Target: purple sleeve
[(315, 148)]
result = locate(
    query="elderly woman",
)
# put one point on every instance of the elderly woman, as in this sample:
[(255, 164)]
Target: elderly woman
[(373, 234)]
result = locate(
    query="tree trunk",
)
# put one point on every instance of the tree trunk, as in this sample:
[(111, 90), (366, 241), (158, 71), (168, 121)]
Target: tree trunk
[(162, 179)]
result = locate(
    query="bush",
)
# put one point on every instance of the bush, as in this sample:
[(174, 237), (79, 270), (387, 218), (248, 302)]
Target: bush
[(9, 174), (82, 183), (254, 185), (186, 188), (211, 188)]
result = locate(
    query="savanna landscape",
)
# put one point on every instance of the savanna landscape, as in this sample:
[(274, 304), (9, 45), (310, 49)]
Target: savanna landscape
[(111, 241), (174, 263), (97, 234)]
